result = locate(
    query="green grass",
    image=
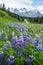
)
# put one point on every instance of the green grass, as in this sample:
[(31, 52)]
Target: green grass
[(4, 19)]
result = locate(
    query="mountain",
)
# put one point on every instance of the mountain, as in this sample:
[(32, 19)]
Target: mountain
[(25, 13), (23, 9), (16, 11)]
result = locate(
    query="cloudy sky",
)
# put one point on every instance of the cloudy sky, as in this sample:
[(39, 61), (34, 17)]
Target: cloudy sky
[(29, 4)]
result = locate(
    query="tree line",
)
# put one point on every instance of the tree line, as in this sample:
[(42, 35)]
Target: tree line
[(20, 18), (35, 19)]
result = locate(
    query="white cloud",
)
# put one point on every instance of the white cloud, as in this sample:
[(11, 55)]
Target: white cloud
[(25, 2), (17, 3), (40, 8)]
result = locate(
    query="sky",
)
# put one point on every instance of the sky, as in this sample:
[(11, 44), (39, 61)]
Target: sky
[(28, 4)]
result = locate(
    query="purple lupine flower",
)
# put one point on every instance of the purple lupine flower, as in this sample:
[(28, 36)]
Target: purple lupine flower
[(11, 60), (7, 45), (39, 47), (23, 28), (29, 60), (24, 38), (25, 53), (21, 42), (25, 33), (38, 43), (37, 40), (19, 49), (14, 41), (35, 43), (31, 34), (1, 57), (20, 45)]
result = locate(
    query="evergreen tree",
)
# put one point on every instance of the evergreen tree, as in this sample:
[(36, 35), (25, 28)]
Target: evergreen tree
[(3, 6)]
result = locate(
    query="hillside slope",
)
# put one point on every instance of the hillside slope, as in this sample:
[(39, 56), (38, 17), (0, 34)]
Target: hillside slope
[(6, 18)]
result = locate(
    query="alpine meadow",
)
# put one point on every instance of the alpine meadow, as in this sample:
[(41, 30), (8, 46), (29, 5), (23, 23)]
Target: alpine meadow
[(21, 36)]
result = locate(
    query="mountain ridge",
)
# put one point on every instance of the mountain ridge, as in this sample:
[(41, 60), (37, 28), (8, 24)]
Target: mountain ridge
[(25, 13)]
